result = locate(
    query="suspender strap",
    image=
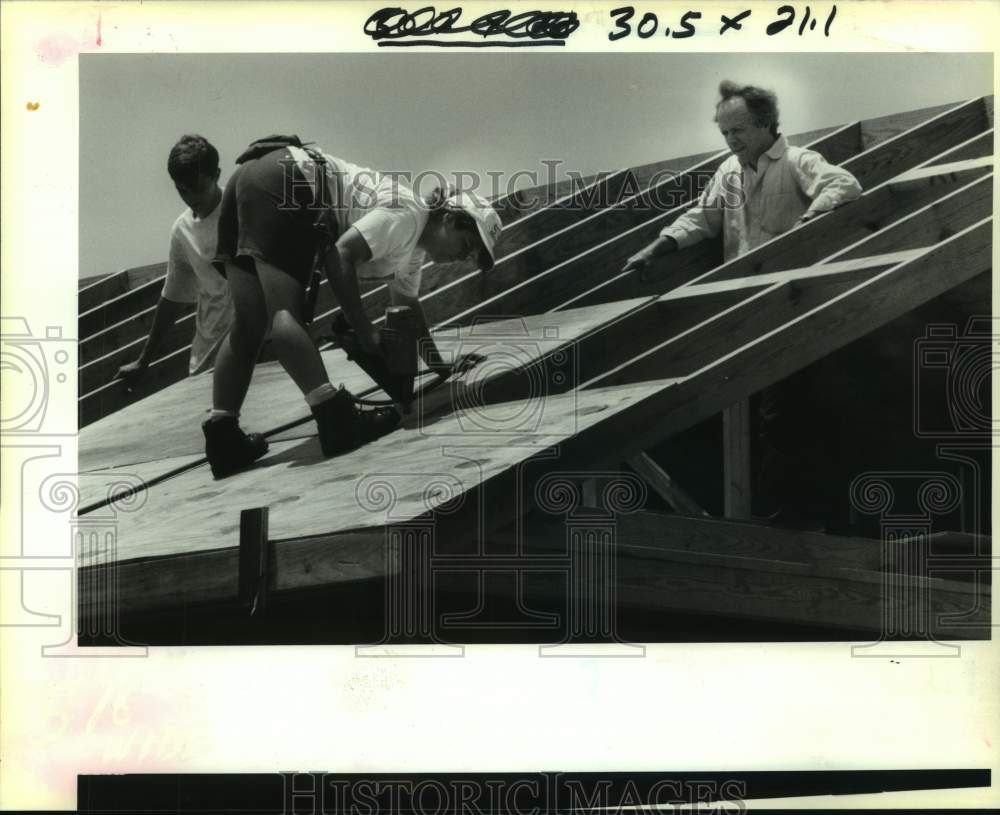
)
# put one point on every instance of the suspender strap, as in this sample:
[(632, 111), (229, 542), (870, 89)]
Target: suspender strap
[(323, 202)]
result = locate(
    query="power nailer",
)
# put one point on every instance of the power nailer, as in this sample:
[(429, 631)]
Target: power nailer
[(395, 368)]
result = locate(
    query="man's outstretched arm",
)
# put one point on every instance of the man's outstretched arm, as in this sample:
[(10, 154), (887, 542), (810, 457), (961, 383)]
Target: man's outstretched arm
[(340, 266), (166, 314), (703, 220)]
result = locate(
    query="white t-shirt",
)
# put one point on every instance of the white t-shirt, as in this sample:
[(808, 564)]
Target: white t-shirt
[(387, 213), (191, 278)]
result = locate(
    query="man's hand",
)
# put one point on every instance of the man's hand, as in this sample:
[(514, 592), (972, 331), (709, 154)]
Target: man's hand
[(131, 373), (640, 262)]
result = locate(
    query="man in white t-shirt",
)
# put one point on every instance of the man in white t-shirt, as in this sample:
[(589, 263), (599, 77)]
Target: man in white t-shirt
[(388, 233), (194, 167)]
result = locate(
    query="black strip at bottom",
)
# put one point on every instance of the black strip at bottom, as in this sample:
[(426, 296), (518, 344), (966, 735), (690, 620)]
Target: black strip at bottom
[(316, 793)]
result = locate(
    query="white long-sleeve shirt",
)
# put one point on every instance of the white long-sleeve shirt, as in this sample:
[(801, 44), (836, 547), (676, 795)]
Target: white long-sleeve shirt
[(751, 206)]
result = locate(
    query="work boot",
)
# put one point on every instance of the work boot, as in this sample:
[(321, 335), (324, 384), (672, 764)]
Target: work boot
[(228, 448), (336, 424), (375, 422)]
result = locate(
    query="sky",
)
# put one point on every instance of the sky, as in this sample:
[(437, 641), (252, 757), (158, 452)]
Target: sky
[(417, 112)]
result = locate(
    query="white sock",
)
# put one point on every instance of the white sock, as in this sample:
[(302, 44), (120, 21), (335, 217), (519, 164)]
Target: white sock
[(215, 413), (321, 394)]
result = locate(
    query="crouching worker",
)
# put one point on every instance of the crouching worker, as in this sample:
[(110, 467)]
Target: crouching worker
[(288, 207)]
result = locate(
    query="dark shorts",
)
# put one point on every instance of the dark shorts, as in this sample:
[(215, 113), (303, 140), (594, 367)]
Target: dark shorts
[(268, 214)]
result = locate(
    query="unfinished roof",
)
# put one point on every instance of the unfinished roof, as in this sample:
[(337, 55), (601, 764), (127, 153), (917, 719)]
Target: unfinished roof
[(586, 366)]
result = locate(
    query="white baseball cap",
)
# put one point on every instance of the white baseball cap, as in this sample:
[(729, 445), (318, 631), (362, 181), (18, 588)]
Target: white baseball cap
[(487, 223)]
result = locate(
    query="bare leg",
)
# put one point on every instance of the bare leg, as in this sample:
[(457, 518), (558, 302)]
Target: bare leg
[(292, 343), (238, 352)]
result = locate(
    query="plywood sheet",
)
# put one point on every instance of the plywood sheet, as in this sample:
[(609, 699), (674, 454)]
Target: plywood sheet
[(168, 423), (420, 468), (101, 486)]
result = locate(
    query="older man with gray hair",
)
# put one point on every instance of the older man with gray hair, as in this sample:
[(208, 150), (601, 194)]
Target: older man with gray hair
[(764, 189)]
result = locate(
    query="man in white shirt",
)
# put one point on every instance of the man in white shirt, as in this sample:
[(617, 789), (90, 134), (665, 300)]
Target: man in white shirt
[(193, 165), (764, 189), (288, 208)]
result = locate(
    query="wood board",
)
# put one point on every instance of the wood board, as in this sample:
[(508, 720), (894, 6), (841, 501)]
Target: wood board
[(419, 469), (125, 437)]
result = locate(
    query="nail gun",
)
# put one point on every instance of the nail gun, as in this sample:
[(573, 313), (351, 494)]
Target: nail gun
[(395, 367)]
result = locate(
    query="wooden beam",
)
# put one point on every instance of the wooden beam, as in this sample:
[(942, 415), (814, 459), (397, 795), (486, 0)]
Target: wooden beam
[(880, 129), (934, 222), (803, 246), (690, 326), (130, 335), (664, 486), (664, 563), (525, 202), (736, 459), (712, 567), (113, 285), (920, 143), (125, 306), (919, 174), (204, 576), (742, 316), (100, 370), (582, 199), (954, 207), (753, 359), (254, 560), (976, 147), (792, 275)]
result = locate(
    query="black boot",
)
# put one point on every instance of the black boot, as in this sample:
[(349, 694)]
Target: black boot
[(228, 448), (374, 422), (335, 421)]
